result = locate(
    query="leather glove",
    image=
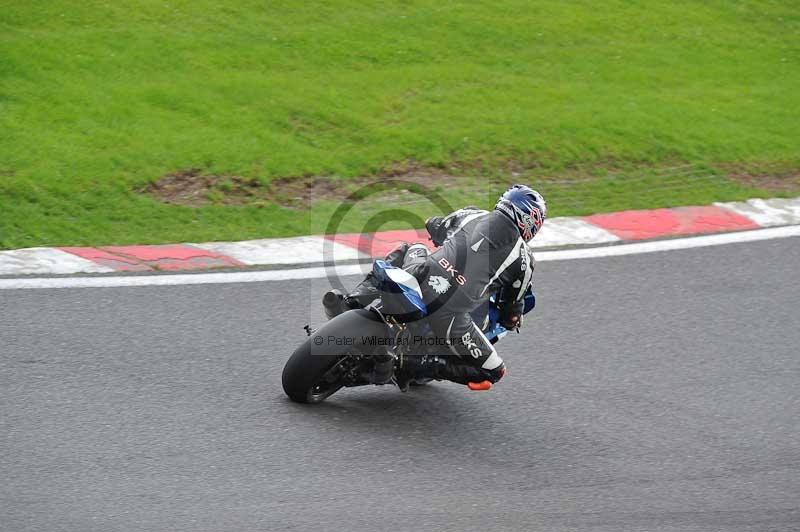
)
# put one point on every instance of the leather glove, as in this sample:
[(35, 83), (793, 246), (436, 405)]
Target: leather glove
[(511, 314)]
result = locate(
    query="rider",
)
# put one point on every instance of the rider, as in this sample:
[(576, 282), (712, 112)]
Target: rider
[(480, 254)]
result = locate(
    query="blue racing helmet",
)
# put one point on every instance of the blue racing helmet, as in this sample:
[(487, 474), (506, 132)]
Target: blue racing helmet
[(525, 207)]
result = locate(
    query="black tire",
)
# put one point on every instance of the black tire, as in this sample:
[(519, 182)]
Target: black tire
[(303, 373)]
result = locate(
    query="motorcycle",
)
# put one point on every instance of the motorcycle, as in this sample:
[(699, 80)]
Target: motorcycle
[(368, 345)]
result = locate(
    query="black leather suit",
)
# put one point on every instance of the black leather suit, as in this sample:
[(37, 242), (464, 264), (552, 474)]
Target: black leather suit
[(481, 253)]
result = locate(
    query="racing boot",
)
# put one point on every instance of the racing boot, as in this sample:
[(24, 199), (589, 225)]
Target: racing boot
[(363, 294), (334, 302), (448, 368), (418, 368)]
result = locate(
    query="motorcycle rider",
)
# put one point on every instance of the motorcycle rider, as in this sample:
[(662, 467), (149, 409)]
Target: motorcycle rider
[(480, 254)]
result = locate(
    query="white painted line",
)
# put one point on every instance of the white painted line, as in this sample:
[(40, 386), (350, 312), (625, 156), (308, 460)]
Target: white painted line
[(298, 250), (767, 213), (670, 245), (568, 231), (361, 269), (46, 261), (181, 279)]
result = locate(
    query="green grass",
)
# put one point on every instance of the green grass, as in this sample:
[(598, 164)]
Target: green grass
[(99, 98)]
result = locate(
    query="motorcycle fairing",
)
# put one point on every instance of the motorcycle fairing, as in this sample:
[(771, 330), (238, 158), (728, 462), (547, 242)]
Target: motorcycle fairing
[(400, 291)]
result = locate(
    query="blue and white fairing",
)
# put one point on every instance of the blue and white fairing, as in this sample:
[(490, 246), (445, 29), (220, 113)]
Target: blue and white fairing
[(401, 292)]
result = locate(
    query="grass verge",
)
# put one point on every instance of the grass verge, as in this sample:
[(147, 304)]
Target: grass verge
[(99, 100)]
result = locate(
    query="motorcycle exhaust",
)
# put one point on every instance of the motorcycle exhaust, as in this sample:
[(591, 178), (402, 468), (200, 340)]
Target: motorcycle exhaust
[(332, 303)]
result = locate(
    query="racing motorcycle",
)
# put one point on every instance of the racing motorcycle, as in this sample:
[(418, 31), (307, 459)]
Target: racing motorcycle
[(368, 345)]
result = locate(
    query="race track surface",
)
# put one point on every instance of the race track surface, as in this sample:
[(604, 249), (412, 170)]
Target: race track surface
[(654, 392)]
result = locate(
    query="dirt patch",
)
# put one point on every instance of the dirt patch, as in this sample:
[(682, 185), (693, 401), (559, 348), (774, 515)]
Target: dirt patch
[(298, 191), (195, 188), (774, 178), (394, 186)]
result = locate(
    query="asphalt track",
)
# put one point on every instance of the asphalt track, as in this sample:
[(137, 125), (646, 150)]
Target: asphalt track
[(655, 392)]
